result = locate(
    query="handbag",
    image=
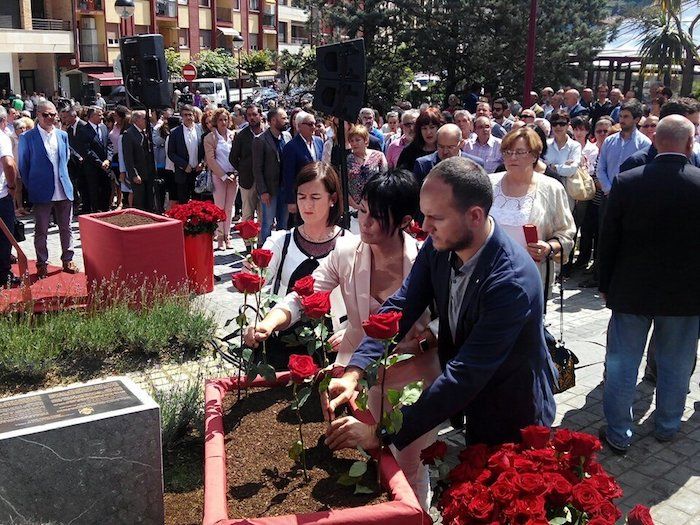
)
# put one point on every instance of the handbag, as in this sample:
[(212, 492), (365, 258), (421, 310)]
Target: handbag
[(580, 186), (204, 182), (563, 359), (19, 233)]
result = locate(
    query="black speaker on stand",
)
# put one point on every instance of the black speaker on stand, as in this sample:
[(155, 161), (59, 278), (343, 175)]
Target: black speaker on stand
[(89, 93), (145, 71), (340, 92)]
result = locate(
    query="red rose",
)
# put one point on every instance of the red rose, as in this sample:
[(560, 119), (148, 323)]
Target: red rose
[(247, 229), (562, 439), (435, 451), (302, 367), (599, 521), (382, 326), (304, 286), (317, 304), (545, 458), (558, 489), (531, 483), (583, 444), (246, 282), (476, 455), (535, 436), (469, 472), (606, 486), (261, 257), (586, 497), (639, 515), (525, 509), (503, 492), (522, 464), (607, 511), (500, 461), (480, 506)]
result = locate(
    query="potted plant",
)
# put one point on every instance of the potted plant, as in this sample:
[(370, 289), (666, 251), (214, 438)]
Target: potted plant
[(200, 220)]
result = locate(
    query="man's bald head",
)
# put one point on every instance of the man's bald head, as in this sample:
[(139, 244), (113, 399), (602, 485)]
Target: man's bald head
[(674, 134), (449, 131), (449, 141)]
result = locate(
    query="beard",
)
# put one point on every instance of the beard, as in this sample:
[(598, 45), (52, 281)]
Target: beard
[(464, 242)]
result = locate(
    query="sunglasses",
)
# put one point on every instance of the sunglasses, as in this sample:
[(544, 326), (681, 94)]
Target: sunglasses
[(49, 115), (649, 126), (560, 123)]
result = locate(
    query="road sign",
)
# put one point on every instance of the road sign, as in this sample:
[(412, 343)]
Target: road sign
[(189, 72)]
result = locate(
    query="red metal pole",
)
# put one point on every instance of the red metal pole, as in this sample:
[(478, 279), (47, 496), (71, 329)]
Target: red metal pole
[(530, 58)]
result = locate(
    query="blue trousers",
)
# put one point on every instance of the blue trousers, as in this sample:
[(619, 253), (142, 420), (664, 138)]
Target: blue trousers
[(676, 348), (277, 210)]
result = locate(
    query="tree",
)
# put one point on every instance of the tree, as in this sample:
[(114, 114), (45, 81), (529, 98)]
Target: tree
[(175, 62), (298, 66), (254, 62), (215, 64)]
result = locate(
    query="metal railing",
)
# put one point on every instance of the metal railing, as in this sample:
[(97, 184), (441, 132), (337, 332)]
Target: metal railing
[(224, 14), (48, 24), (92, 52), (90, 5), (10, 22), (299, 40)]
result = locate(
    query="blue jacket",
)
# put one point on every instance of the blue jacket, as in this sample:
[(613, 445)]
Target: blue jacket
[(426, 163), (498, 367), (295, 156), (36, 168)]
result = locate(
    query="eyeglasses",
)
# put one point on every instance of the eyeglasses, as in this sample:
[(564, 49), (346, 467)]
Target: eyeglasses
[(601, 132), (528, 116), (48, 115), (560, 123), (309, 123), (448, 147), (648, 126), (515, 153)]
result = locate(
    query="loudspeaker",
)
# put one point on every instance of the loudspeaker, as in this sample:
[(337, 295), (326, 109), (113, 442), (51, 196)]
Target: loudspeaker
[(145, 71), (89, 93), (342, 76)]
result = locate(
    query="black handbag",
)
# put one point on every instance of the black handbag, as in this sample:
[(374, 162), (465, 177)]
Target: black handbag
[(19, 233), (563, 359)]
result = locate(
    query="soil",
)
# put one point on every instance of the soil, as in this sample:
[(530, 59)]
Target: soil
[(184, 484), (264, 481), (128, 219)]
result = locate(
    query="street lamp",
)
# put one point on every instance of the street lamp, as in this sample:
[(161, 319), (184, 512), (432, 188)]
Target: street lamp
[(125, 8), (238, 45)]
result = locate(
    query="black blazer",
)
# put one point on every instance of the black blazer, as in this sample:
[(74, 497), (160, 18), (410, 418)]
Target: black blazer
[(650, 244), (75, 159), (267, 164), (241, 157), (93, 149), (178, 154), (137, 158), (497, 368)]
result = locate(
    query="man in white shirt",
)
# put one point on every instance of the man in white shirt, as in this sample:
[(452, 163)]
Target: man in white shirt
[(43, 162), (186, 151), (7, 209), (484, 145)]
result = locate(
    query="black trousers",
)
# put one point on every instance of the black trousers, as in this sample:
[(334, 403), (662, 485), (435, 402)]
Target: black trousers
[(589, 235), (99, 189), (143, 194), (7, 215)]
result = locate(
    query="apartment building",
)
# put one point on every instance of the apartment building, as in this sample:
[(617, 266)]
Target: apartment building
[(292, 31), (32, 34)]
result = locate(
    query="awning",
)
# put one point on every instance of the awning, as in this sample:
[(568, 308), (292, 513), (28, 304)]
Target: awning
[(106, 79), (269, 30), (266, 75), (228, 31)]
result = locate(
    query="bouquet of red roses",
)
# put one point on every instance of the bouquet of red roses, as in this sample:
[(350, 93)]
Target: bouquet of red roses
[(197, 216), (548, 478)]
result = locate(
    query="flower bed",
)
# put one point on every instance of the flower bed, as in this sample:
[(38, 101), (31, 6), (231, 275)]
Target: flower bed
[(403, 509)]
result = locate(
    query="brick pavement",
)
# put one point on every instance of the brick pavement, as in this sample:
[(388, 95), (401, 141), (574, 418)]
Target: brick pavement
[(664, 477)]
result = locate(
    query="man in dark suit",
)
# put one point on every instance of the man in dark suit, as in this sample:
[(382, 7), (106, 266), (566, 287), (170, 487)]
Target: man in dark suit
[(186, 151), (138, 159), (649, 255), (572, 101), (267, 170), (491, 343), (92, 140), (297, 153), (241, 158), (72, 125)]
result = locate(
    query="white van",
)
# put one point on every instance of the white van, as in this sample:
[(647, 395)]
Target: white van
[(214, 89)]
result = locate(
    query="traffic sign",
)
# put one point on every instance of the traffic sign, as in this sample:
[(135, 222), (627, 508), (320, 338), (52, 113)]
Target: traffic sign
[(189, 72)]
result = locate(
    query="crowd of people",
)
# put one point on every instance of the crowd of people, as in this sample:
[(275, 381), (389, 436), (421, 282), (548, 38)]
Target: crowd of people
[(486, 180)]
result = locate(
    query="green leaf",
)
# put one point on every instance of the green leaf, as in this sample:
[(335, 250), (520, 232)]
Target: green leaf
[(346, 480), (361, 400), (290, 340), (560, 520), (443, 471), (295, 450), (358, 469), (397, 358), (303, 396), (396, 417), (323, 384), (268, 372), (393, 396), (361, 489), (362, 451), (410, 393), (241, 320)]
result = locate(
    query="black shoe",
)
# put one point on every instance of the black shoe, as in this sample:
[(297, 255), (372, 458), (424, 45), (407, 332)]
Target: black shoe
[(618, 451), (10, 281)]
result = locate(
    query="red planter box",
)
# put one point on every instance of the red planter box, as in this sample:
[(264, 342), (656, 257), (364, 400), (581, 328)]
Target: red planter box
[(199, 256), (136, 255), (404, 508)]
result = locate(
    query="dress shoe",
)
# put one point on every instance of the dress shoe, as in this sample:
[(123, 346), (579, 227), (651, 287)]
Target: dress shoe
[(617, 450), (70, 267), (41, 271)]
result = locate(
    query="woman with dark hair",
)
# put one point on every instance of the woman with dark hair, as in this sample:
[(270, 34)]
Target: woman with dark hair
[(159, 134), (425, 139), (367, 270), (298, 252), (121, 118)]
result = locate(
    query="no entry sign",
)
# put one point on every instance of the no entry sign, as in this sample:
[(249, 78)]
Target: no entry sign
[(189, 72)]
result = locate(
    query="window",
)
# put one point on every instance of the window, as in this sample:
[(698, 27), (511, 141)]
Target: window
[(236, 5), (254, 5), (253, 39), (182, 2), (112, 35), (204, 3), (282, 31), (282, 2), (166, 8), (205, 39), (184, 38)]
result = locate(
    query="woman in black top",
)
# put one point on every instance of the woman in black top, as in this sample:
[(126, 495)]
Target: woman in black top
[(425, 140)]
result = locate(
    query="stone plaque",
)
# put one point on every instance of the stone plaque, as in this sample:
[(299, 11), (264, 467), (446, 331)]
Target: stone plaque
[(83, 454)]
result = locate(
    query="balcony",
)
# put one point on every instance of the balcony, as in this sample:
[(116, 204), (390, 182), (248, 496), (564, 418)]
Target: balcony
[(166, 8), (47, 24), (10, 22), (92, 52), (299, 40), (224, 14), (90, 5)]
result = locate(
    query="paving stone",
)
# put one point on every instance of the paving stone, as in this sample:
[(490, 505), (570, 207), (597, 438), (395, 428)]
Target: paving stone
[(669, 515)]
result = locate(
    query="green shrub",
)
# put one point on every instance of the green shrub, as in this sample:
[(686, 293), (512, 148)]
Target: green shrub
[(181, 409)]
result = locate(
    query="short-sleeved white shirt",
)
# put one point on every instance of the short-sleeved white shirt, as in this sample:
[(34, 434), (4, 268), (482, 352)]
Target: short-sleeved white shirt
[(5, 151)]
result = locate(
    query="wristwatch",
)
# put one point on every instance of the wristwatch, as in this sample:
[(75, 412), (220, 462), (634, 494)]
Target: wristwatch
[(384, 437)]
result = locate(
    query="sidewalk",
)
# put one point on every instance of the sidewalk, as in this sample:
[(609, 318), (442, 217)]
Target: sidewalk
[(664, 477)]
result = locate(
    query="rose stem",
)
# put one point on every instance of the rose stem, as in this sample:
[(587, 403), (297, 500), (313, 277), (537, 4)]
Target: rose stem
[(301, 437)]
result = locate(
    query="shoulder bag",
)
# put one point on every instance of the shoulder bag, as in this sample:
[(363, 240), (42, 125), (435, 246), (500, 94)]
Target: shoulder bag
[(580, 185)]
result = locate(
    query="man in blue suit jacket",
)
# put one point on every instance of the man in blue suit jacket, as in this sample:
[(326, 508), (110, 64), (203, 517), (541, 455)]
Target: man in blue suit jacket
[(43, 162), (93, 141), (303, 149), (488, 292)]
